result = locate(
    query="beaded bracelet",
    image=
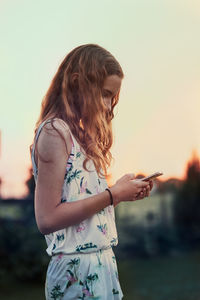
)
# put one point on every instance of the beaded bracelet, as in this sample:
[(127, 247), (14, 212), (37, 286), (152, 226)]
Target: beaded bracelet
[(111, 197)]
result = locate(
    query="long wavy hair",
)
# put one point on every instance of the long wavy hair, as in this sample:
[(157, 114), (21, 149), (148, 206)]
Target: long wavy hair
[(75, 96)]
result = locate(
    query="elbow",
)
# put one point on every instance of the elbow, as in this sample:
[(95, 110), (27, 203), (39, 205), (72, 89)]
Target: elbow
[(44, 227), (44, 230)]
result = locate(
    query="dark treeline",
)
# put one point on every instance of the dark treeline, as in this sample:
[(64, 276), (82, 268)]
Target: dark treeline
[(187, 205), (23, 248)]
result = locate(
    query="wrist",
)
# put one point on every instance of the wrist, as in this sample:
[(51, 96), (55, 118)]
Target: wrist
[(111, 197), (114, 196)]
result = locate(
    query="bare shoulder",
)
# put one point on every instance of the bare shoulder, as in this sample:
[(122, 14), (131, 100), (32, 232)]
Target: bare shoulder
[(54, 140), (57, 126)]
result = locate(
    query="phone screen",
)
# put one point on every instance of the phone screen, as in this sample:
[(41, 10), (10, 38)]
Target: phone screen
[(152, 176)]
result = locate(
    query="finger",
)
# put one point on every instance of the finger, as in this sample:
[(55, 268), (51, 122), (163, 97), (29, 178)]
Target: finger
[(145, 189), (148, 188), (144, 193), (143, 184), (142, 196), (151, 184), (138, 196)]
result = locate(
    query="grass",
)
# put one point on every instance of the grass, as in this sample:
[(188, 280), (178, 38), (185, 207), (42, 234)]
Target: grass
[(159, 278), (14, 290)]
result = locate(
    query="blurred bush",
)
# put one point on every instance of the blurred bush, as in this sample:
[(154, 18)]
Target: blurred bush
[(22, 247)]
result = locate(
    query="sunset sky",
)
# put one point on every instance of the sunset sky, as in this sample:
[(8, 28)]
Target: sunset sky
[(157, 43)]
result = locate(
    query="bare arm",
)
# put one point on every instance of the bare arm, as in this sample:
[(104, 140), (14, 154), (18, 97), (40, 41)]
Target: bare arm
[(51, 214)]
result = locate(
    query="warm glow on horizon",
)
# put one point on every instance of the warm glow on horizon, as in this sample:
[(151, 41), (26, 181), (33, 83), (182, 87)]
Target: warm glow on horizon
[(19, 190), (156, 124)]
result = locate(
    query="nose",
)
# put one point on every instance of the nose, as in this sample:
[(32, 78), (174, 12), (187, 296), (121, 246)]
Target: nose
[(109, 105), (108, 102)]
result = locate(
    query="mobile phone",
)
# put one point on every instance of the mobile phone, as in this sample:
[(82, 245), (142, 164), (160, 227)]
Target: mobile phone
[(152, 176)]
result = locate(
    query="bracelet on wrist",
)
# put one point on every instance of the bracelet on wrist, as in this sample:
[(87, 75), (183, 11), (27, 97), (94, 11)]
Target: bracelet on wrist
[(111, 197)]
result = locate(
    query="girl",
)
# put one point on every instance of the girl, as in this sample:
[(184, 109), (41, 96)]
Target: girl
[(74, 208)]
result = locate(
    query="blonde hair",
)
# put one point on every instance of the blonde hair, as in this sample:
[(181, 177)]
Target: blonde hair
[(75, 96)]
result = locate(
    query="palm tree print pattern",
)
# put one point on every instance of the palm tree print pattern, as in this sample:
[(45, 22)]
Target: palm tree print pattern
[(78, 154), (114, 241), (85, 247), (73, 175), (102, 212), (88, 286), (56, 292), (103, 228), (115, 292), (60, 237), (72, 271)]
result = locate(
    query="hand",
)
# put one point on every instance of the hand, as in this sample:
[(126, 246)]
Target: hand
[(129, 189), (146, 191)]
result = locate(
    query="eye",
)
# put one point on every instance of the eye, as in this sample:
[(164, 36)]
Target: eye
[(105, 94)]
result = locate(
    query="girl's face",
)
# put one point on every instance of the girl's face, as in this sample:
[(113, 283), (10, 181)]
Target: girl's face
[(111, 88)]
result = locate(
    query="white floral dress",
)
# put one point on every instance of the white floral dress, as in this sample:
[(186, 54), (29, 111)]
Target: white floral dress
[(83, 264)]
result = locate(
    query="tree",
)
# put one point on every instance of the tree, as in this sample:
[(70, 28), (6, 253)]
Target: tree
[(30, 183), (187, 203)]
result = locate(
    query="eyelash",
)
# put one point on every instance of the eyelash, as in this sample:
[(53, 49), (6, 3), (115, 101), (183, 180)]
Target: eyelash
[(104, 95)]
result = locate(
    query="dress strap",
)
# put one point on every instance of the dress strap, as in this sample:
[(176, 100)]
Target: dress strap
[(73, 150), (33, 149)]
